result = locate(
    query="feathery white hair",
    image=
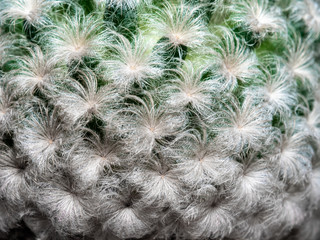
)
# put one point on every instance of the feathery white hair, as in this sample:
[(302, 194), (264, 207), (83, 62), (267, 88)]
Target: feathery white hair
[(258, 224), (276, 91), (256, 184), (92, 156), (68, 211), (35, 71), (299, 61), (147, 124), (131, 62), (190, 87), (232, 60), (5, 45), (35, 12), (13, 176), (124, 214), (307, 11), (77, 36), (83, 100), (181, 24), (213, 219), (7, 107), (290, 212), (309, 123), (244, 126), (41, 136), (258, 17), (292, 160), (159, 184), (125, 4), (199, 163)]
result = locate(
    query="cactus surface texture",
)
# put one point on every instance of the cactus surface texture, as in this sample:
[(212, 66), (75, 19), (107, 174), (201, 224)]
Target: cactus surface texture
[(160, 119)]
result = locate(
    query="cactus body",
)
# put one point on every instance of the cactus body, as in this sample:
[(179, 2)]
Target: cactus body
[(145, 119)]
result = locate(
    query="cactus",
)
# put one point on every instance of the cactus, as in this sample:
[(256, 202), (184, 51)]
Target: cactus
[(174, 119)]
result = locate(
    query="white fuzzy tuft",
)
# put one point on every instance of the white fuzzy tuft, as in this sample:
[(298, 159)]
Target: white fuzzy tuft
[(132, 62), (125, 216), (276, 92), (256, 225), (13, 176), (41, 137), (181, 24), (209, 221), (290, 213), (255, 185), (258, 17), (232, 60), (76, 37), (67, 211), (83, 101), (309, 122), (35, 12), (92, 157), (307, 11), (159, 184), (35, 71), (245, 126), (147, 124), (199, 163), (190, 88), (125, 223), (293, 160), (300, 63)]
